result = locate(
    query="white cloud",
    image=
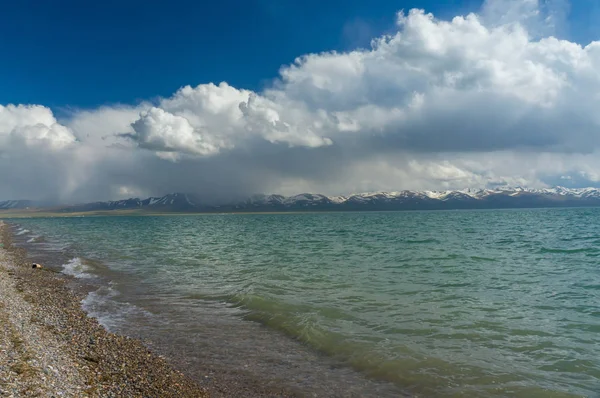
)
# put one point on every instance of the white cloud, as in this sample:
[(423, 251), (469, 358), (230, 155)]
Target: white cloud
[(482, 99), (34, 152), (167, 133), (265, 118), (542, 17), (99, 126), (32, 125)]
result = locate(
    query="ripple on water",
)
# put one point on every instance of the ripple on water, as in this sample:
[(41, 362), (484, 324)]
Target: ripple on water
[(473, 303), (569, 251)]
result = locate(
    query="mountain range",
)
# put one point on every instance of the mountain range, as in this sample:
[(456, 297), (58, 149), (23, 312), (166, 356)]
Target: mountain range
[(502, 197)]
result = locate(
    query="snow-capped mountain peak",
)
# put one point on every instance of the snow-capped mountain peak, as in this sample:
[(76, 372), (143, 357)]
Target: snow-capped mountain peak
[(500, 197)]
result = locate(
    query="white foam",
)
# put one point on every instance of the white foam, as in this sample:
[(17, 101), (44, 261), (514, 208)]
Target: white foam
[(110, 312), (22, 231), (76, 267), (95, 305)]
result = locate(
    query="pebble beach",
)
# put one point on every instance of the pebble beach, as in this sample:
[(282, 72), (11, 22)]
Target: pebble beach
[(49, 347)]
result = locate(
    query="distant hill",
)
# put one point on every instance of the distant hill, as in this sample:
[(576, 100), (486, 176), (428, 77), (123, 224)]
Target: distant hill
[(374, 201), (176, 202), (15, 204)]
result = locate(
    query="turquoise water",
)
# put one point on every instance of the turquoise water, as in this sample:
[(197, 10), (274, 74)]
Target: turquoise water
[(463, 303)]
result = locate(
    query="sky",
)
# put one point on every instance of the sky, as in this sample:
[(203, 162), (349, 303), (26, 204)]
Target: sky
[(108, 100)]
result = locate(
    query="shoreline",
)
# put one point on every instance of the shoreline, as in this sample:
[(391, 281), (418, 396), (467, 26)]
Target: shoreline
[(291, 369), (49, 346)]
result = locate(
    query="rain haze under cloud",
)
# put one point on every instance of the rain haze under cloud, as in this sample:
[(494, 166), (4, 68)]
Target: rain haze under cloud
[(485, 99)]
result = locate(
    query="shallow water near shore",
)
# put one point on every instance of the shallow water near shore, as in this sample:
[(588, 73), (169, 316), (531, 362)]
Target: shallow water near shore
[(458, 303)]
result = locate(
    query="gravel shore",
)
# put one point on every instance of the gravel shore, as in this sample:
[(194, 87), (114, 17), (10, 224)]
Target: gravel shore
[(49, 347)]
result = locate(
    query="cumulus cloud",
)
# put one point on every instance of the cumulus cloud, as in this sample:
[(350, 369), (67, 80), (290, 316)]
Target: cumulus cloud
[(484, 99), (169, 134), (32, 125), (34, 149)]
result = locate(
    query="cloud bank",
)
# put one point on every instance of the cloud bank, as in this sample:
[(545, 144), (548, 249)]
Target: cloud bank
[(481, 100)]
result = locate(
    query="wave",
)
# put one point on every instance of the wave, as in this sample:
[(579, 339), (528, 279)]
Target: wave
[(569, 251), (479, 258), (416, 241), (104, 305), (450, 256), (578, 238), (77, 268), (36, 239), (22, 231)]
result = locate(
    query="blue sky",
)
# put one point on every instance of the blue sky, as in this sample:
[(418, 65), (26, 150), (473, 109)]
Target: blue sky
[(114, 99), (83, 54)]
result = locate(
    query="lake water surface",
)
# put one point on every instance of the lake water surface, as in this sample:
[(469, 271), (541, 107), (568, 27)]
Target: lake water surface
[(457, 303)]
